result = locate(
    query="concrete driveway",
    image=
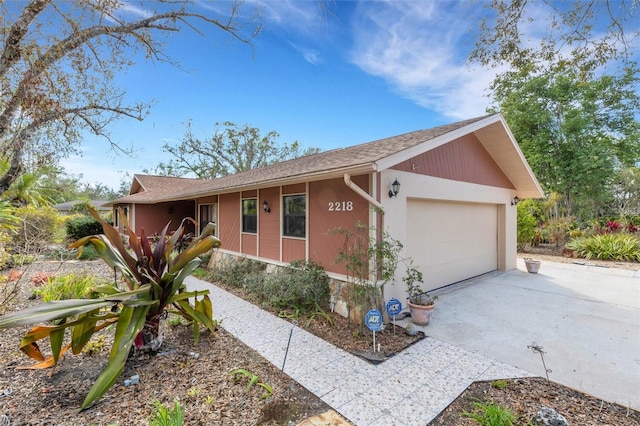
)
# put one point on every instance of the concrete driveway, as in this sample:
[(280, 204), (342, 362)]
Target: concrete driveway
[(586, 319)]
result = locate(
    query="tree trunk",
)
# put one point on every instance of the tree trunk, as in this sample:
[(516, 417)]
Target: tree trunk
[(15, 169), (149, 338)]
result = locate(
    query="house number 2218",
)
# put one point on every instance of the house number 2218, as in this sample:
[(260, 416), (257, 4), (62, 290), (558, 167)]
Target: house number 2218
[(341, 206)]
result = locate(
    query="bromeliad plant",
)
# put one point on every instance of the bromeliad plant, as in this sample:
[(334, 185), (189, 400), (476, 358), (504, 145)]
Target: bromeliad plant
[(154, 279)]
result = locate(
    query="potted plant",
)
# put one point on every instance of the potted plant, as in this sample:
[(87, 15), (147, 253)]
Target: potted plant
[(421, 303), (533, 266)]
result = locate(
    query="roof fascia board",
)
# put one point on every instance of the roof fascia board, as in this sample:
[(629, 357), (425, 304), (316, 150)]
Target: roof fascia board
[(135, 183), (523, 159), (333, 174), (425, 146)]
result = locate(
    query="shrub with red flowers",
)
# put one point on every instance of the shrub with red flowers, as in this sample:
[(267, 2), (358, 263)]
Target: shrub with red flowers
[(613, 226)]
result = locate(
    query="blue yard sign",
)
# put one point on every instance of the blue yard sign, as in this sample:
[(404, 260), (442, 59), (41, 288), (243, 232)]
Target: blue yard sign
[(373, 320), (394, 306)]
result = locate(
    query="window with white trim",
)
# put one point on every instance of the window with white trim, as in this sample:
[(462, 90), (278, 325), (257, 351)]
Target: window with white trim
[(250, 215), (207, 214), (294, 218)]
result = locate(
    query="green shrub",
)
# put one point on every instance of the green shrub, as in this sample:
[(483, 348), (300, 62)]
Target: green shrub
[(89, 253), (300, 286), (71, 286), (608, 247), (557, 230), (83, 226), (5, 256), (201, 273), (167, 417), (491, 414), (81, 207), (238, 272), (526, 223)]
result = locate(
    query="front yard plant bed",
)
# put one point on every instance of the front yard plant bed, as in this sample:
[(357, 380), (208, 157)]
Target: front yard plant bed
[(198, 376), (524, 397), (341, 332)]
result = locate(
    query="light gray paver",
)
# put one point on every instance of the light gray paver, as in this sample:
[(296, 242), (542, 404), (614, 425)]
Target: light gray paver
[(411, 388)]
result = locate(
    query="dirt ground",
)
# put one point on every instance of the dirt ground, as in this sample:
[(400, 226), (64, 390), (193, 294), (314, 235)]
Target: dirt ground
[(199, 377), (524, 397), (550, 253)]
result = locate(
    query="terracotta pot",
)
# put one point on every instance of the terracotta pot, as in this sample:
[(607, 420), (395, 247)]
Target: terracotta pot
[(420, 314), (533, 266)]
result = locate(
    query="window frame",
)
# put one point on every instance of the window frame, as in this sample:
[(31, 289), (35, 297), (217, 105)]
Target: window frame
[(214, 213), (116, 216), (247, 217), (287, 217)]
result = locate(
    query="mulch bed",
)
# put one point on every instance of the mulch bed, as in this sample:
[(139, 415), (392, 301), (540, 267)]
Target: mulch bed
[(198, 376), (524, 397)]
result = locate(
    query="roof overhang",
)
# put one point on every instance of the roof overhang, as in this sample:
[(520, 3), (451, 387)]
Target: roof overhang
[(290, 180)]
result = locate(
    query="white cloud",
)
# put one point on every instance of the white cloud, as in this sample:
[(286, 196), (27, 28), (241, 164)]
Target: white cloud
[(303, 21), (302, 17), (420, 49), (310, 55), (129, 9)]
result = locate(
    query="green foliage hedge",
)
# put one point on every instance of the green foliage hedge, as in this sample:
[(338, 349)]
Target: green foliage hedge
[(527, 222), (300, 286), (240, 273), (83, 226), (617, 246)]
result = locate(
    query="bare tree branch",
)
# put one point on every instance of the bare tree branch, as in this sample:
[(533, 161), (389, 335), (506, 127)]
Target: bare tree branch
[(12, 51), (41, 96)]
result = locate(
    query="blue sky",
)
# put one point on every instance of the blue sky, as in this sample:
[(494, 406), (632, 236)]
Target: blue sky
[(353, 72)]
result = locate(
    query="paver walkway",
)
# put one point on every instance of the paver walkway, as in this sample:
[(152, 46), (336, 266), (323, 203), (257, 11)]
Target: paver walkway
[(411, 388)]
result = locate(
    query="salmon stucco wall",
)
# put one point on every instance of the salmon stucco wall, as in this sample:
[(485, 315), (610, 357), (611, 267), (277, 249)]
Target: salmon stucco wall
[(332, 204), (154, 217), (249, 244), (293, 249), (269, 224), (464, 160), (229, 221)]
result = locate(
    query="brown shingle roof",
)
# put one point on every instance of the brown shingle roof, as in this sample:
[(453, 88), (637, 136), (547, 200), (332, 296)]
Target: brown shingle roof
[(354, 157), (150, 188), (359, 158)]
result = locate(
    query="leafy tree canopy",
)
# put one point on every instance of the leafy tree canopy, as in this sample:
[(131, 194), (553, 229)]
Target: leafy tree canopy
[(574, 132), (528, 33), (231, 149), (568, 87), (53, 185)]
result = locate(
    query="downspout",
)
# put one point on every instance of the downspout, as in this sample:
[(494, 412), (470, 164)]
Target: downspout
[(361, 192), (379, 209)]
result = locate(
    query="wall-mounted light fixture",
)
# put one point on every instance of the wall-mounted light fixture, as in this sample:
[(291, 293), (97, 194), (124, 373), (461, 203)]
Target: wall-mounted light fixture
[(265, 207), (515, 200), (395, 188)]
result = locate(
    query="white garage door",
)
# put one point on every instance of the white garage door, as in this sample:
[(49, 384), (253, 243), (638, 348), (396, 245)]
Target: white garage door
[(451, 242)]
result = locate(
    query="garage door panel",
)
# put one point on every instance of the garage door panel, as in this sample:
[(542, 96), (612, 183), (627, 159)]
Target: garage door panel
[(451, 242)]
